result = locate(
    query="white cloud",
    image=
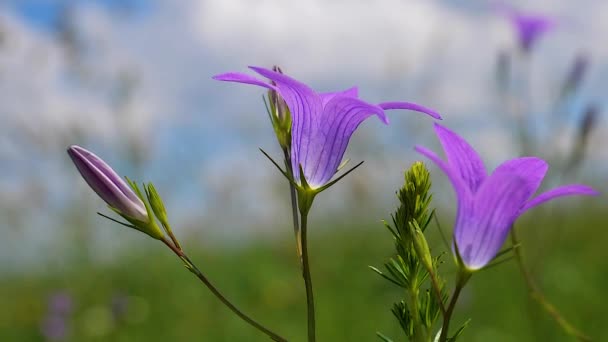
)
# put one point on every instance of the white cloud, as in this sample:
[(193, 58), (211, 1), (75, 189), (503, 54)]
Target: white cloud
[(431, 52)]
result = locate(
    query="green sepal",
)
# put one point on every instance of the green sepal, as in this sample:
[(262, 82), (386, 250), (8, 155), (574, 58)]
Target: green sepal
[(157, 205), (150, 227), (280, 118)]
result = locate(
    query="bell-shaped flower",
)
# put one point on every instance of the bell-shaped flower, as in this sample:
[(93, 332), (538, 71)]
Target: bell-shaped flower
[(322, 123), (488, 205), (528, 27)]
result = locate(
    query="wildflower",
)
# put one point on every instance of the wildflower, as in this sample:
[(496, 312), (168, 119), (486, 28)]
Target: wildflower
[(488, 205), (528, 27), (322, 123), (125, 199)]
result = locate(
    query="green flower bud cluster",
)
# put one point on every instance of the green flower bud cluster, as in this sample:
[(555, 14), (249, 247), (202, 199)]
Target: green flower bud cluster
[(413, 268)]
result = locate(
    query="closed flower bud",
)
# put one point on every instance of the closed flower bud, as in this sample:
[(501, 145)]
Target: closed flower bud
[(108, 184), (421, 246), (121, 197)]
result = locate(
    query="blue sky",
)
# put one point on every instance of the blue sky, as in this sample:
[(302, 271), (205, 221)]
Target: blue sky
[(201, 136)]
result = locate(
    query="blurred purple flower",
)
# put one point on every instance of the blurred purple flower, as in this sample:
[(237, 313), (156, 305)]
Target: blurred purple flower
[(60, 303), (528, 27), (55, 324), (322, 123), (488, 205), (108, 184), (54, 328)]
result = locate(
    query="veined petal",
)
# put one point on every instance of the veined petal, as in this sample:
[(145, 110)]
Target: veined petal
[(462, 157), (306, 109), (496, 206), (242, 78), (461, 189), (107, 183), (350, 92), (565, 190), (531, 169), (341, 117), (410, 106)]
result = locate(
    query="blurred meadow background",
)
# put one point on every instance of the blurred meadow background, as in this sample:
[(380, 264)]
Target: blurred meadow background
[(131, 80)]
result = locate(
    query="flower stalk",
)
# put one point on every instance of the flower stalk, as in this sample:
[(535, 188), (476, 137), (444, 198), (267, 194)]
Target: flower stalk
[(462, 278), (195, 270), (536, 294), (310, 301)]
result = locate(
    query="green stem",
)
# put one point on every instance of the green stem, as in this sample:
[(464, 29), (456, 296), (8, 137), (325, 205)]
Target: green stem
[(310, 302), (192, 268), (294, 205), (536, 294), (461, 280), (419, 331)]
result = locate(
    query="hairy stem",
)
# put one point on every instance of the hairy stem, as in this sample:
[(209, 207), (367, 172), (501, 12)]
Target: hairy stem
[(192, 268), (536, 294), (310, 302)]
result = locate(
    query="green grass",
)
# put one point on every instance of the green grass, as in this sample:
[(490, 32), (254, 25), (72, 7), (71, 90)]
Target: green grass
[(167, 303)]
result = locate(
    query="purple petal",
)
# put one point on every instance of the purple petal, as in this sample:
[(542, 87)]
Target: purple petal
[(306, 110), (531, 169), (496, 206), (107, 183), (462, 157), (565, 190), (350, 92), (242, 78), (410, 106), (530, 28), (341, 117), (461, 189)]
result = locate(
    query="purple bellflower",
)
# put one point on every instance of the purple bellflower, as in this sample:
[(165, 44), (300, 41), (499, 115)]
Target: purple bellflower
[(528, 27), (108, 184), (322, 123), (488, 205)]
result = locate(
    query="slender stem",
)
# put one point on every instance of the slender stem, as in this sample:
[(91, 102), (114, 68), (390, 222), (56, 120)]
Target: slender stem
[(172, 237), (461, 280), (536, 294), (294, 205), (192, 268), (310, 302)]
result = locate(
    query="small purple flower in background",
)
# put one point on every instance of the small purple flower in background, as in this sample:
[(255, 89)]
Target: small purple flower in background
[(528, 27), (61, 303), (55, 324), (108, 184), (488, 205), (322, 123)]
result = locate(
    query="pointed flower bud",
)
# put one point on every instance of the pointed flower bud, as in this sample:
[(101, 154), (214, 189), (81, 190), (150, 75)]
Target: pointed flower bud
[(121, 197), (280, 115), (420, 245), (107, 184)]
